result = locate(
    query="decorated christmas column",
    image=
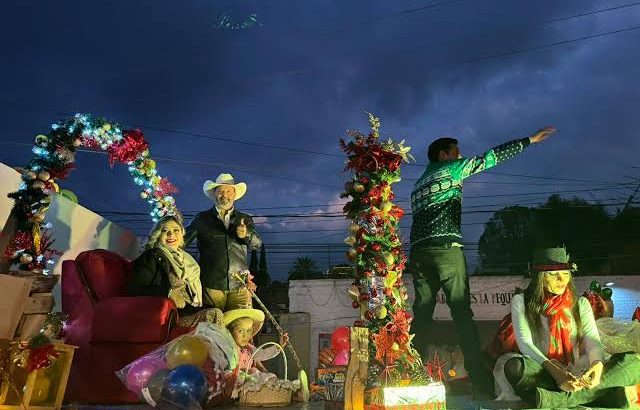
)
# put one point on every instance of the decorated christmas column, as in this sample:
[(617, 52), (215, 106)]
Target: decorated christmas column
[(396, 374)]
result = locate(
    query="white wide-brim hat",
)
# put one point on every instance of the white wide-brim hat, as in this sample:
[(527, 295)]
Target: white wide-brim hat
[(224, 179), (256, 315)]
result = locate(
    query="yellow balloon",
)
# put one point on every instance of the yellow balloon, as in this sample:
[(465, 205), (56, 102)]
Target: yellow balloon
[(41, 388), (188, 350)]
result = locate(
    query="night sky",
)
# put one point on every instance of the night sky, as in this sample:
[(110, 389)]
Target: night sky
[(268, 103)]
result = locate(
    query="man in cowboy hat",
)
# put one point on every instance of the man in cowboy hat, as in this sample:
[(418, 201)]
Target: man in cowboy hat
[(224, 234)]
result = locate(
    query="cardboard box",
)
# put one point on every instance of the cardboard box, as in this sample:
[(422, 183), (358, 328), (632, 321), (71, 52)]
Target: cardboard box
[(13, 299), (39, 303), (30, 325)]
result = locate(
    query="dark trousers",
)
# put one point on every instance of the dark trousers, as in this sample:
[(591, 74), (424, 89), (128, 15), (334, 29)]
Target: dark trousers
[(435, 268)]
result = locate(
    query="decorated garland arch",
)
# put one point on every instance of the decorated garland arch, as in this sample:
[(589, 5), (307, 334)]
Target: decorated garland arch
[(54, 157)]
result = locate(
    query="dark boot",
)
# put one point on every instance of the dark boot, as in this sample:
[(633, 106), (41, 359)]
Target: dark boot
[(622, 370)]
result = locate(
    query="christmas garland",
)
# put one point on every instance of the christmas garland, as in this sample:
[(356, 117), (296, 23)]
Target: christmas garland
[(54, 157), (376, 250)]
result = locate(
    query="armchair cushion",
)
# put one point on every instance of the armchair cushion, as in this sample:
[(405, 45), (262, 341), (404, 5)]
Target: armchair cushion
[(106, 273), (140, 319)]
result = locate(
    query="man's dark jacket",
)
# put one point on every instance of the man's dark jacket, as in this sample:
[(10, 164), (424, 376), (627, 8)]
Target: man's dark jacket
[(220, 250)]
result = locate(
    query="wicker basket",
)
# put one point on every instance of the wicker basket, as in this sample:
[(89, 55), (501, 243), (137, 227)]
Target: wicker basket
[(267, 396)]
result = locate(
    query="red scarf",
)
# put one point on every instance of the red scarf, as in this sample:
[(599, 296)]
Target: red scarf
[(558, 309)]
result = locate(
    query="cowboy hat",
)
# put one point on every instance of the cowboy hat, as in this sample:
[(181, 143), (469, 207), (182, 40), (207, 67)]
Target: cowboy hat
[(255, 314), (552, 259), (224, 179)]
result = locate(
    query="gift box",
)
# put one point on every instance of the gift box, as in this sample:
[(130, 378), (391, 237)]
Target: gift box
[(331, 381), (41, 389), (428, 397)]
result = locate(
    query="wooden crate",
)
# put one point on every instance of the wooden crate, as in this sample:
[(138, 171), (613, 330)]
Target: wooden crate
[(42, 389)]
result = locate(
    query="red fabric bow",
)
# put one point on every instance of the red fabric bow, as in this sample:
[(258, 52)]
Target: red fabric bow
[(128, 148)]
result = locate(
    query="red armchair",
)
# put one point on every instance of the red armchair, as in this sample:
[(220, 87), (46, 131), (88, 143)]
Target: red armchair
[(110, 328)]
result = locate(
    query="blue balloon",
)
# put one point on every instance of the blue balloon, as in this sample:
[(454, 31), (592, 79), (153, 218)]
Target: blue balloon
[(185, 385)]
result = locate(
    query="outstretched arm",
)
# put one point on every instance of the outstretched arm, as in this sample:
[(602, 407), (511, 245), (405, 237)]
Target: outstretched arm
[(465, 167)]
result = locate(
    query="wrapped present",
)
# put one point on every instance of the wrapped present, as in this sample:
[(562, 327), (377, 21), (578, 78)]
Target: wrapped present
[(428, 397), (42, 388), (334, 374), (331, 381)]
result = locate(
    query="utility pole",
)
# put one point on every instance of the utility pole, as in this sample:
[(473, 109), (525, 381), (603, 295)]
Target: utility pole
[(630, 200)]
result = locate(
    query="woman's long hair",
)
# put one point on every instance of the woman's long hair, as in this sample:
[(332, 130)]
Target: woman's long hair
[(534, 296), (154, 235)]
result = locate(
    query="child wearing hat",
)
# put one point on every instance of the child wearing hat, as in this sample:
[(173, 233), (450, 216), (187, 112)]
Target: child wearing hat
[(244, 324)]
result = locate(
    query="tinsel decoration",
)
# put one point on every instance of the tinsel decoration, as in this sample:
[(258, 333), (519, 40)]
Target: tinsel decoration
[(54, 157), (130, 147), (376, 251), (54, 325), (435, 368)]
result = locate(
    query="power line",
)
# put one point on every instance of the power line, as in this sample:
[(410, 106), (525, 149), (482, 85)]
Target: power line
[(520, 50), (250, 171), (548, 45), (224, 138), (235, 168)]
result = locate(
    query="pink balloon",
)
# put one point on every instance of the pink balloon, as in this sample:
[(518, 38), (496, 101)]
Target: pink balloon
[(141, 371), (340, 339), (342, 358)]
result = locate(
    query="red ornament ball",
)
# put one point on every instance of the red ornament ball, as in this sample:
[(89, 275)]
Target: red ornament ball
[(340, 339), (355, 304)]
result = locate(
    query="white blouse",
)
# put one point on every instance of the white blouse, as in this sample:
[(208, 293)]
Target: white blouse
[(588, 347)]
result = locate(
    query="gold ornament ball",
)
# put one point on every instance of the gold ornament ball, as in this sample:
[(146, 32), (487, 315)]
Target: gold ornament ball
[(144, 195), (41, 389), (358, 187), (44, 176), (77, 142), (350, 240), (41, 139), (353, 253), (389, 258), (354, 228), (106, 126), (26, 259), (39, 217), (452, 373), (38, 184), (381, 312), (31, 175), (395, 347)]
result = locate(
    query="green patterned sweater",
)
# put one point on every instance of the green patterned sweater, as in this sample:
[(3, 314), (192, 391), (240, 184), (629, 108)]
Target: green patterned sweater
[(436, 199)]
